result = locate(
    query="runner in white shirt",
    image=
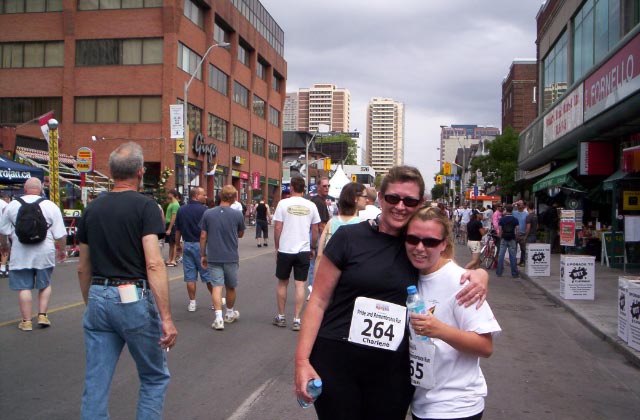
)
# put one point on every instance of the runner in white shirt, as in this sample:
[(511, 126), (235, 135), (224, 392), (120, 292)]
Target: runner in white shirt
[(450, 383)]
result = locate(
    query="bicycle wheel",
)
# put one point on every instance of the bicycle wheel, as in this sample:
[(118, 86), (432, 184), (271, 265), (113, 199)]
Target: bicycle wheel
[(489, 254)]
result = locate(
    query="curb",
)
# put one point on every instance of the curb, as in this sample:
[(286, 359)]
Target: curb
[(615, 342)]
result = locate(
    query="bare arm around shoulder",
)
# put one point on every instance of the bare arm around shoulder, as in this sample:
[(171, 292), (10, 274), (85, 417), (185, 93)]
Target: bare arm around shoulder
[(476, 290), (323, 286), (84, 271), (159, 284)]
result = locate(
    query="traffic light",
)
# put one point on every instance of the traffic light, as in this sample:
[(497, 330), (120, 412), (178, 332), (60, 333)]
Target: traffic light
[(439, 179), (447, 168), (354, 178), (327, 164)]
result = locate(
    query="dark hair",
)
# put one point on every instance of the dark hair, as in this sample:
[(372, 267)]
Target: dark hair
[(508, 208), (297, 184), (403, 173), (349, 197), (530, 205)]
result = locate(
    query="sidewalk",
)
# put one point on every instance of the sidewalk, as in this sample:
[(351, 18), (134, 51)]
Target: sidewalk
[(599, 315)]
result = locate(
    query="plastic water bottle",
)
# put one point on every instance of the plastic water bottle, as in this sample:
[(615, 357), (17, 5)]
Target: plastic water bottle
[(314, 388), (416, 305)]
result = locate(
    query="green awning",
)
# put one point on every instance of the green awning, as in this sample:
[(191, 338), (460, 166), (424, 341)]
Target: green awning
[(560, 177), (618, 175)]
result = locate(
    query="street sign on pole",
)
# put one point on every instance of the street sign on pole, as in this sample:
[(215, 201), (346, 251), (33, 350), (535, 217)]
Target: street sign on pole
[(177, 121)]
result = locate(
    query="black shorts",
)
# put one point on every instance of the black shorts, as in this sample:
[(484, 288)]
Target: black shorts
[(262, 227), (299, 262), (171, 237)]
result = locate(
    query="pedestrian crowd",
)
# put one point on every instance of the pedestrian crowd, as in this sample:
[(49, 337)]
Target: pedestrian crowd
[(357, 253)]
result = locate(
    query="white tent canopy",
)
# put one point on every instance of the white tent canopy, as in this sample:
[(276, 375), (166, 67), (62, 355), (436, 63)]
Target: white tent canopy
[(337, 181)]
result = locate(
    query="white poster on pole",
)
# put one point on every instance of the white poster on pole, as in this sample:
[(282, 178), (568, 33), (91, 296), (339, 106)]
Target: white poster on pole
[(177, 121)]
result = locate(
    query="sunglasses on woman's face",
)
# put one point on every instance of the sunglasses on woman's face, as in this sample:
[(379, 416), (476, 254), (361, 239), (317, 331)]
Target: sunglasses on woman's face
[(395, 199), (427, 242)]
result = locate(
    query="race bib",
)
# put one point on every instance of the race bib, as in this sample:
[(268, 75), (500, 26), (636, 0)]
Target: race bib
[(422, 356), (376, 323)]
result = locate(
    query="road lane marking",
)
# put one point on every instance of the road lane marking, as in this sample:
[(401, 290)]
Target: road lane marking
[(244, 408), (76, 304)]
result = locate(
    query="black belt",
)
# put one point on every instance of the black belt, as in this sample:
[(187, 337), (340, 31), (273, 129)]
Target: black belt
[(104, 281)]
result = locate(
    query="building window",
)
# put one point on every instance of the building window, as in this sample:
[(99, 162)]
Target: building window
[(30, 6), (258, 106), (218, 128), (220, 35), (243, 55), (261, 69), (194, 13), (274, 116), (218, 80), (194, 117), (555, 72), (276, 82), (188, 61), (22, 110), (274, 152), (258, 145), (118, 109), (596, 31), (118, 52), (116, 4), (240, 94), (31, 54), (240, 138)]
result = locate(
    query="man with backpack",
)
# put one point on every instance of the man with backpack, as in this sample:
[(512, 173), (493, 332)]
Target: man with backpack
[(508, 232), (38, 238)]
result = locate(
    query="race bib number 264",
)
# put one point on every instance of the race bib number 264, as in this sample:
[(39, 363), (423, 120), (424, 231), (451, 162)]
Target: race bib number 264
[(376, 323)]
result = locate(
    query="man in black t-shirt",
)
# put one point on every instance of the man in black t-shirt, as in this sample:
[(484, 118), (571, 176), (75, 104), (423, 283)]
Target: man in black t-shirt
[(263, 218), (118, 235), (508, 232)]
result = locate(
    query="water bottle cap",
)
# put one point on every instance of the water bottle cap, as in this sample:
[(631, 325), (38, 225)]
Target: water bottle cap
[(317, 383), (412, 290)]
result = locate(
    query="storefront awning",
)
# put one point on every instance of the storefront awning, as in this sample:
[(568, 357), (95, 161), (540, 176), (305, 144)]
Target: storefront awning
[(618, 175), (560, 177)]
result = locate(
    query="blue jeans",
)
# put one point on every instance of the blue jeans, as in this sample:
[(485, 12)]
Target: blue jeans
[(108, 325), (191, 263), (509, 244)]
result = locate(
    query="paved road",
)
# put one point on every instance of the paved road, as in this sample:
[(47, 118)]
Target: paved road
[(545, 364)]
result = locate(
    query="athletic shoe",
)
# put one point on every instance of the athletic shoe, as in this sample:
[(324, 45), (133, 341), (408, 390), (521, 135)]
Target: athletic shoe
[(296, 325), (259, 246), (218, 324), (4, 273), (43, 321), (279, 322), (192, 306), (230, 317), (265, 244), (179, 259), (25, 325)]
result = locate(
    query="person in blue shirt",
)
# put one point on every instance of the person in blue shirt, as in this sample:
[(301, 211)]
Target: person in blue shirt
[(520, 213)]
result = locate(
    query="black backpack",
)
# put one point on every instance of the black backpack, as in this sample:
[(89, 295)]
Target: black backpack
[(508, 230), (31, 226)]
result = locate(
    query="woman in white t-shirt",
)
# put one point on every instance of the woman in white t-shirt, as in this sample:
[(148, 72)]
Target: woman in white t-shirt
[(449, 381)]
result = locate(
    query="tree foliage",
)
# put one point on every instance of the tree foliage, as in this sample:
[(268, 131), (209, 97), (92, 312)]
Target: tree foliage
[(499, 166), (352, 147)]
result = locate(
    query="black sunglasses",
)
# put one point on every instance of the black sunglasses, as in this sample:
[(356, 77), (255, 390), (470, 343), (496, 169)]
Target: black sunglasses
[(395, 199), (427, 242)]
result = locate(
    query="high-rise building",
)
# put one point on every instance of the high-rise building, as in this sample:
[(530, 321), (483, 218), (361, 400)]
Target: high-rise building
[(290, 112), (385, 134), (323, 104), (111, 75), (462, 137), (519, 96)]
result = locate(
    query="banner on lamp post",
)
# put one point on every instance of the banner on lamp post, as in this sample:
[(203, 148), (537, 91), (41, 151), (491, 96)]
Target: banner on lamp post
[(255, 180)]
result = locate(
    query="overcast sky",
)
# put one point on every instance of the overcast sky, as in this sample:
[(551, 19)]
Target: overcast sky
[(444, 59)]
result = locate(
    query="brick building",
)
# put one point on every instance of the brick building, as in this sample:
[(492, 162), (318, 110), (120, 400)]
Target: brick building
[(519, 102), (110, 70)]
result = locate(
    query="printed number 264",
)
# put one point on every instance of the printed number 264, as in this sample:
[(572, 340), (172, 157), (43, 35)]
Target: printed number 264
[(378, 330)]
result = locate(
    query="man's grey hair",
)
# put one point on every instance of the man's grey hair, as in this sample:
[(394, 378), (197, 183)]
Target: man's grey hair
[(126, 161)]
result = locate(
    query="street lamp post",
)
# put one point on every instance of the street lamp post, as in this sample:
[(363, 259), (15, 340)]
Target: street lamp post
[(185, 121)]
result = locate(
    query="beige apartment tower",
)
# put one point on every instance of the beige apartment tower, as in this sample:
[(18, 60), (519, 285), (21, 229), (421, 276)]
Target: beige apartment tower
[(323, 104), (385, 134)]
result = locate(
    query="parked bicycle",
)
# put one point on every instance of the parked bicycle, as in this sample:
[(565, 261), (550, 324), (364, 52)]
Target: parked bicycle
[(489, 251)]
